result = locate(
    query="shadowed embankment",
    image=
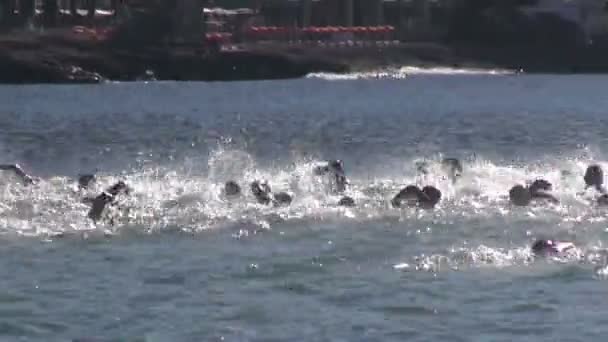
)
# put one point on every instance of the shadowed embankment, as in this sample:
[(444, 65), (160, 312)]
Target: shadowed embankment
[(64, 57)]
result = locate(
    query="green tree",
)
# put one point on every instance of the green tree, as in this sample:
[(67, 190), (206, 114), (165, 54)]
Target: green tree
[(487, 20)]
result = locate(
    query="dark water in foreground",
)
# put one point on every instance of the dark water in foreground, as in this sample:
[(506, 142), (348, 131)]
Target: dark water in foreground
[(185, 265)]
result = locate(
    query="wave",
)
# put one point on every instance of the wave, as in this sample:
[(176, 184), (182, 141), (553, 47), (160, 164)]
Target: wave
[(411, 70), (594, 256), (389, 74), (404, 72)]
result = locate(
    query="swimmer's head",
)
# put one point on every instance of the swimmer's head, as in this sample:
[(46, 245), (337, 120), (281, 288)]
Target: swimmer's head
[(232, 189), (282, 199), (433, 194), (594, 176), (258, 187), (346, 201), (520, 196), (544, 248), (117, 188), (540, 185), (85, 180), (337, 166)]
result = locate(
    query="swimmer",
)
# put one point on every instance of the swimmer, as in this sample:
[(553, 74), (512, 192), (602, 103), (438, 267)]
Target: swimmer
[(413, 196), (594, 178), (336, 169), (232, 189), (549, 248), (263, 194), (408, 196), (282, 199), (261, 191), (453, 167), (85, 180), (540, 189), (15, 168), (346, 201), (99, 203)]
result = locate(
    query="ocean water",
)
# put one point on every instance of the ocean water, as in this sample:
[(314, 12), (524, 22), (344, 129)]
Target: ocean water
[(182, 263)]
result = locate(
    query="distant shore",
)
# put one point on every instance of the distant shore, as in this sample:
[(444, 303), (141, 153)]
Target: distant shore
[(53, 58), (57, 58), (528, 59)]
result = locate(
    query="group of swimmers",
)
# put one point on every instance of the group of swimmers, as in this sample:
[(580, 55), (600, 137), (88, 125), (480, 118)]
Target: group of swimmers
[(98, 203), (410, 196), (540, 189)]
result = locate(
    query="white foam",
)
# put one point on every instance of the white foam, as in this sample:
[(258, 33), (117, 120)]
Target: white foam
[(388, 74), (404, 72), (411, 70), (189, 196), (493, 257)]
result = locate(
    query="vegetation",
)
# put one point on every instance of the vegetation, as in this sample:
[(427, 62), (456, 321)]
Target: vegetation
[(493, 22)]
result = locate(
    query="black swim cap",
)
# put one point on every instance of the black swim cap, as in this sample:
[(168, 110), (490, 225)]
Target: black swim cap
[(594, 176), (232, 188), (519, 195), (540, 184), (346, 201), (85, 180), (282, 198), (544, 247), (434, 195)]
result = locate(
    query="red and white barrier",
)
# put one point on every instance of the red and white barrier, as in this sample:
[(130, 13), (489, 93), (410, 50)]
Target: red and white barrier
[(322, 34)]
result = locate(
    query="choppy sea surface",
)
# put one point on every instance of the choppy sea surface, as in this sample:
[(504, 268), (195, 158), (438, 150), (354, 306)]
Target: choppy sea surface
[(183, 263)]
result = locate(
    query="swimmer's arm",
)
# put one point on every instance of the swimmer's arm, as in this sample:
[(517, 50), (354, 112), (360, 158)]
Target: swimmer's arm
[(565, 246), (27, 179), (597, 188), (98, 204), (396, 200)]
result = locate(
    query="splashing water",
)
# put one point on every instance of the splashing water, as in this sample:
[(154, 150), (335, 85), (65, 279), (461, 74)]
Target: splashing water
[(191, 197), (404, 72)]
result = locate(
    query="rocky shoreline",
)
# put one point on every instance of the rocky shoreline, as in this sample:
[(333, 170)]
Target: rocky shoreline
[(57, 58)]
